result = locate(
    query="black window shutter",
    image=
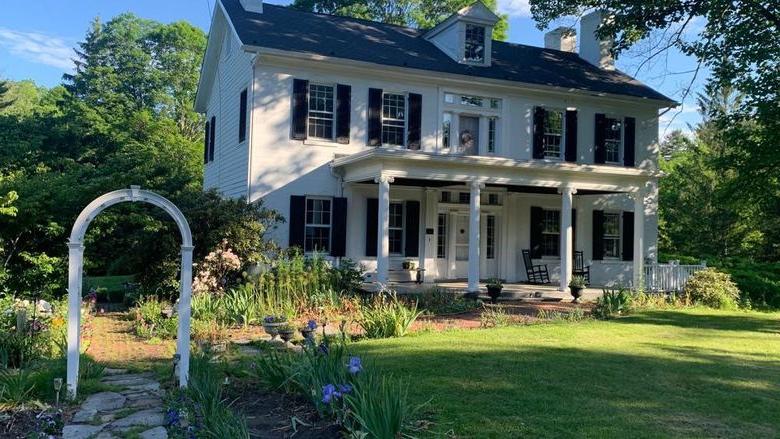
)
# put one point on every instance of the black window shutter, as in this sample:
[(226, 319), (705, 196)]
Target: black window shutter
[(598, 235), (343, 112), (300, 108), (629, 143), (574, 229), (628, 236), (372, 222), (538, 134), (537, 225), (338, 245), (207, 136), (599, 153), (242, 117), (412, 229), (212, 138), (297, 220), (374, 116), (415, 122), (571, 135)]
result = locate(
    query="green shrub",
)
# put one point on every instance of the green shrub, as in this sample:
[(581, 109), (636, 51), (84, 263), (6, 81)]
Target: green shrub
[(386, 316), (712, 288), (151, 320), (613, 302), (242, 305), (439, 301), (759, 283), (494, 317), (16, 386)]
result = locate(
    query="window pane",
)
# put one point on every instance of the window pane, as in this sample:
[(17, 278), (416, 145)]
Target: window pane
[(441, 236), (612, 235), (553, 133), (551, 236), (475, 43), (393, 119), (446, 126), (491, 135), (321, 111), (317, 239), (490, 245), (613, 139), (396, 241)]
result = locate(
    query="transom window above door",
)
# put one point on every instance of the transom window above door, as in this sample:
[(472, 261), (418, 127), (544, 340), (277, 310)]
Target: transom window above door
[(321, 111)]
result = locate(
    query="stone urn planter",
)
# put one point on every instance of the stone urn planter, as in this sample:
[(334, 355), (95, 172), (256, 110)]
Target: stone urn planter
[(576, 286), (494, 287), (271, 325), (308, 331)]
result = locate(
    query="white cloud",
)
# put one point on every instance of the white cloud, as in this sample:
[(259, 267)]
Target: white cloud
[(515, 8), (37, 47)]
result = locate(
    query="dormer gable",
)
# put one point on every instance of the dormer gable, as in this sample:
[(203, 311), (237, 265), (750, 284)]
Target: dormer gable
[(466, 36)]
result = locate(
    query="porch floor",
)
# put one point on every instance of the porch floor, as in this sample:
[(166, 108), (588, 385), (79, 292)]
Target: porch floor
[(512, 291)]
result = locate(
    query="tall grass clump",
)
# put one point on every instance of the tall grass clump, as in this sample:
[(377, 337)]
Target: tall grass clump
[(386, 316)]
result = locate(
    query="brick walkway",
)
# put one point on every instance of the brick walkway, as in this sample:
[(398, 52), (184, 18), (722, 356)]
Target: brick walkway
[(112, 342)]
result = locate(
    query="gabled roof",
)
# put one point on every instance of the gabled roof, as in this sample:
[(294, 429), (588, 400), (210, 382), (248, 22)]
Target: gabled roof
[(287, 29)]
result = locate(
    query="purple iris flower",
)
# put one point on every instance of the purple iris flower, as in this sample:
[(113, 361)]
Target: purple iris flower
[(345, 388), (269, 319), (354, 366), (312, 325), (329, 393)]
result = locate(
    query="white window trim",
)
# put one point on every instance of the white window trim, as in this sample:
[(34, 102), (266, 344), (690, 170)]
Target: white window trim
[(562, 155), (323, 140), (496, 135), (487, 237), (544, 211), (443, 236), (622, 139), (406, 119), (307, 224), (619, 236), (487, 46), (402, 228)]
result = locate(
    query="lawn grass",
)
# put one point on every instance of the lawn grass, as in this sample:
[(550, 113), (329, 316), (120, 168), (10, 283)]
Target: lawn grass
[(110, 283), (693, 373)]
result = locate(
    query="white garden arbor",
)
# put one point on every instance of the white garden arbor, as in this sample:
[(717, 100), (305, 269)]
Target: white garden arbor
[(75, 269)]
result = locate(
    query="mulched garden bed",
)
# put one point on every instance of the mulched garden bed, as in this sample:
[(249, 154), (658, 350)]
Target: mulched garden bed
[(278, 415), (21, 422)]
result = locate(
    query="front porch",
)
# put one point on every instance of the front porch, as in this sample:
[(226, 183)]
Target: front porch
[(511, 291)]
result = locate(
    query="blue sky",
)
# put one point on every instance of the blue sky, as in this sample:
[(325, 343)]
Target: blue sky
[(37, 37)]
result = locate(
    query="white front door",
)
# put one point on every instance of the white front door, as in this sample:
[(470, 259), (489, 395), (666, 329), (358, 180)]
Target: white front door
[(458, 246), (460, 253)]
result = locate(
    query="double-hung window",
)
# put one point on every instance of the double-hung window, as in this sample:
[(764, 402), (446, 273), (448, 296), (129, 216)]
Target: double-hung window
[(393, 119), (552, 142), (321, 111), (613, 139), (611, 235), (474, 44), (551, 233), (396, 231), (318, 222)]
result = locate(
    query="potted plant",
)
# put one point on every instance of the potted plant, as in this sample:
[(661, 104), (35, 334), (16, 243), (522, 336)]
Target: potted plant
[(286, 331), (271, 325), (576, 285), (308, 330), (408, 265), (494, 287)]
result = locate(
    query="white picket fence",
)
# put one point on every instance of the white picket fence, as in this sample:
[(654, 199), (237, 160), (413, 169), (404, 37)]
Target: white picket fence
[(669, 277)]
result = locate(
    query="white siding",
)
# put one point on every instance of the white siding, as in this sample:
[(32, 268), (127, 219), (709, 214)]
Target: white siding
[(228, 172)]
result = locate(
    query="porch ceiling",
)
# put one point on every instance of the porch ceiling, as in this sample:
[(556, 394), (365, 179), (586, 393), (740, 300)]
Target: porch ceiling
[(414, 168)]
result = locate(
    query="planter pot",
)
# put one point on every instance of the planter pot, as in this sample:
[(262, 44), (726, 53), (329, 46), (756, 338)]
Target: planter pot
[(287, 334), (308, 334), (494, 293), (272, 329), (576, 292)]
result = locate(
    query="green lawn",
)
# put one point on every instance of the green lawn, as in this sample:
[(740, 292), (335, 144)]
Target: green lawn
[(698, 373)]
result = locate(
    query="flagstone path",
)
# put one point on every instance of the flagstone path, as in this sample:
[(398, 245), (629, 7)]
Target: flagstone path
[(135, 406)]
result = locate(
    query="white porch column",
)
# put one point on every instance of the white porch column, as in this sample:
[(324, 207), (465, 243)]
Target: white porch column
[(383, 229), (567, 252), (75, 264), (639, 237), (185, 299), (474, 207)]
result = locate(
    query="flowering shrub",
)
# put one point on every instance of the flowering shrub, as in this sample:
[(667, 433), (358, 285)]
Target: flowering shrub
[(212, 275)]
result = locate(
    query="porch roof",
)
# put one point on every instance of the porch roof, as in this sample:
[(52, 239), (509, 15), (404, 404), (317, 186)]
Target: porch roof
[(437, 170)]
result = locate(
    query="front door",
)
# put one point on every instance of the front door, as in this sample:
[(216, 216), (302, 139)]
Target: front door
[(460, 264), (459, 246)]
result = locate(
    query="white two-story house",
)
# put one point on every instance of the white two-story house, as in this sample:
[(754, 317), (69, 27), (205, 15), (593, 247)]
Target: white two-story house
[(386, 144)]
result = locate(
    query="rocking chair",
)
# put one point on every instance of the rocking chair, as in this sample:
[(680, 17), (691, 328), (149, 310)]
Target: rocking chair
[(579, 267), (537, 274)]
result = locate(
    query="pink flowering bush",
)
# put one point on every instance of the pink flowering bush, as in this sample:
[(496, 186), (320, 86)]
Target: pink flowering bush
[(213, 274)]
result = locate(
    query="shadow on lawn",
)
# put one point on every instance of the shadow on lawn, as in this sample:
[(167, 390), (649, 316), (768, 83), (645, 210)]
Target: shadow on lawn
[(540, 391), (699, 321)]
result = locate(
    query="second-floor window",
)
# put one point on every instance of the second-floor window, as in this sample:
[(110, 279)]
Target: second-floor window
[(611, 235), (393, 119), (474, 44), (552, 142), (321, 114), (551, 233), (613, 140)]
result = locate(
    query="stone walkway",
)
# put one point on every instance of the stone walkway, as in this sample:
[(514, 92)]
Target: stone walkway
[(136, 407)]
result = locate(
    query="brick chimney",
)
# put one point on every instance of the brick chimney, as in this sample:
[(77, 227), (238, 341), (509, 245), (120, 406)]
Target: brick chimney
[(561, 38), (593, 49), (252, 5)]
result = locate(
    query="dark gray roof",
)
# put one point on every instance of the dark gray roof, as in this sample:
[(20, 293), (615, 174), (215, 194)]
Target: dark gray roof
[(283, 28)]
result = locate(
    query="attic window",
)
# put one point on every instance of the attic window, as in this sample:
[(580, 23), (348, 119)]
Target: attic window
[(475, 44)]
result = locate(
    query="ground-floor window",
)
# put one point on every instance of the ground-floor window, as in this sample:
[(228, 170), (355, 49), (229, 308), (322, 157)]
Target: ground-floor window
[(611, 235), (396, 233), (490, 238), (551, 233), (441, 236), (318, 221)]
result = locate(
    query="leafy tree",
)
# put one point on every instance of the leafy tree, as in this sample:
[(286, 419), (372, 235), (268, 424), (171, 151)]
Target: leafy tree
[(415, 13), (4, 102)]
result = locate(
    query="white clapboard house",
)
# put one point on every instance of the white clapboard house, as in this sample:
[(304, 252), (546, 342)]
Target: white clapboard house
[(442, 147)]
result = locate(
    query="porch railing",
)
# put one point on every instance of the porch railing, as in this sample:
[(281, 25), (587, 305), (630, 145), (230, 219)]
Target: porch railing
[(670, 277)]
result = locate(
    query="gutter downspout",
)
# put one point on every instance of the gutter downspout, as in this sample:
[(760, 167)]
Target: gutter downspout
[(250, 140)]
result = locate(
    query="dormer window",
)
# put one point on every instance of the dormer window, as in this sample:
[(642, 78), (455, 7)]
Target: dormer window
[(474, 50)]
